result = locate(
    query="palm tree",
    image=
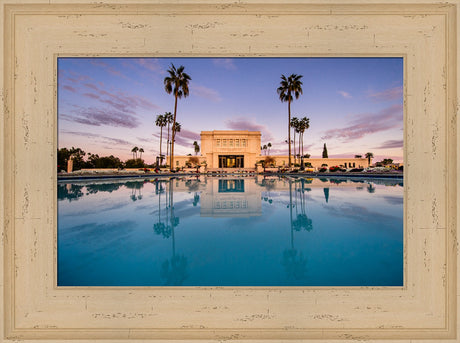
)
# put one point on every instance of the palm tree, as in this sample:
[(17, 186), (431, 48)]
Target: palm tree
[(369, 156), (141, 150), (134, 151), (294, 125), (169, 120), (176, 128), (269, 145), (176, 82), (265, 148), (161, 122), (304, 124), (290, 86)]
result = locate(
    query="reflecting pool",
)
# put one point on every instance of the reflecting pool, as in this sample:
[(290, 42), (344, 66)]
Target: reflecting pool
[(231, 231)]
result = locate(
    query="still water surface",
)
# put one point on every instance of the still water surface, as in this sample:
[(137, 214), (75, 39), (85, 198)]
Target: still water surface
[(232, 231)]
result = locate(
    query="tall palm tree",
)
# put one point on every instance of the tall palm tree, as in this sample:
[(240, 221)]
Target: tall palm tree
[(290, 87), (169, 120), (294, 125), (161, 122), (177, 83), (369, 155), (265, 148), (269, 145), (134, 151)]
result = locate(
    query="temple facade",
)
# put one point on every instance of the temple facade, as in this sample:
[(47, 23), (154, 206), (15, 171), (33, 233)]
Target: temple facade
[(241, 150)]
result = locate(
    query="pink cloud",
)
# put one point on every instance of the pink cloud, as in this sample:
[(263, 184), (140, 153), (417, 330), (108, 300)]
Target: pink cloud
[(91, 95), (391, 144), (226, 63), (150, 64), (346, 95), (69, 88), (369, 123), (250, 125), (205, 92), (394, 93), (101, 117), (121, 101)]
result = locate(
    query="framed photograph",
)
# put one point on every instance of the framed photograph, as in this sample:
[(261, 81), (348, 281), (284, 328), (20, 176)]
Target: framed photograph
[(58, 62)]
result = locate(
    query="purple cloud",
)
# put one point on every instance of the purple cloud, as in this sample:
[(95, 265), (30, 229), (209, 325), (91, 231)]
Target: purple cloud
[(102, 117), (150, 64), (206, 93), (226, 63), (346, 95), (369, 123), (391, 144), (91, 95), (250, 125), (388, 94), (120, 101), (103, 139), (69, 88)]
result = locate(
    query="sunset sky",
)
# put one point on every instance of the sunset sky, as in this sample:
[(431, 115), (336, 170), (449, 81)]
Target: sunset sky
[(107, 106)]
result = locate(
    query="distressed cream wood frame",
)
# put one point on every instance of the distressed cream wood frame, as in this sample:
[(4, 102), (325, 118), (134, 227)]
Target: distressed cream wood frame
[(424, 33)]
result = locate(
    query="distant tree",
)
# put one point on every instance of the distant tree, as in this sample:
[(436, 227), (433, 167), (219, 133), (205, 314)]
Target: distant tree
[(176, 127), (141, 150), (295, 126), (269, 145), (369, 156), (265, 148), (161, 123), (269, 161), (290, 88), (169, 120), (325, 151), (134, 163), (358, 156), (196, 147), (193, 160), (304, 124), (134, 151)]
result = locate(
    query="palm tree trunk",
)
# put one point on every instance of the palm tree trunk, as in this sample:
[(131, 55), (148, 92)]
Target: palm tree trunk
[(173, 132), (294, 145), (167, 147), (161, 137), (290, 213), (289, 130)]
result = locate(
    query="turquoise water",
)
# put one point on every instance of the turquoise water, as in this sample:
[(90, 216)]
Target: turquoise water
[(231, 231)]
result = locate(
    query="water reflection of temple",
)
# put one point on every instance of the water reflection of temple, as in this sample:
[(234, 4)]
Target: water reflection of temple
[(227, 197)]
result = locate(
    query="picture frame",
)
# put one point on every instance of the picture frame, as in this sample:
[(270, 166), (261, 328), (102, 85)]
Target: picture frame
[(35, 34)]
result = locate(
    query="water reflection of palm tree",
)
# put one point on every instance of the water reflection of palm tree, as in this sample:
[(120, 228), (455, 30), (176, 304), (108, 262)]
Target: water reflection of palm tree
[(302, 221), (135, 187), (294, 262), (326, 193), (174, 269), (371, 188)]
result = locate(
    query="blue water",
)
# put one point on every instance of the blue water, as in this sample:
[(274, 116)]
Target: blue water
[(232, 231)]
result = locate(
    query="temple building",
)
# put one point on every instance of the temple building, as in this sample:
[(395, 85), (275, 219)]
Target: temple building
[(231, 149)]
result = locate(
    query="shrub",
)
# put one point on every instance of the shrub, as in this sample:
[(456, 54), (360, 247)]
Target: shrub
[(322, 170), (334, 169)]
